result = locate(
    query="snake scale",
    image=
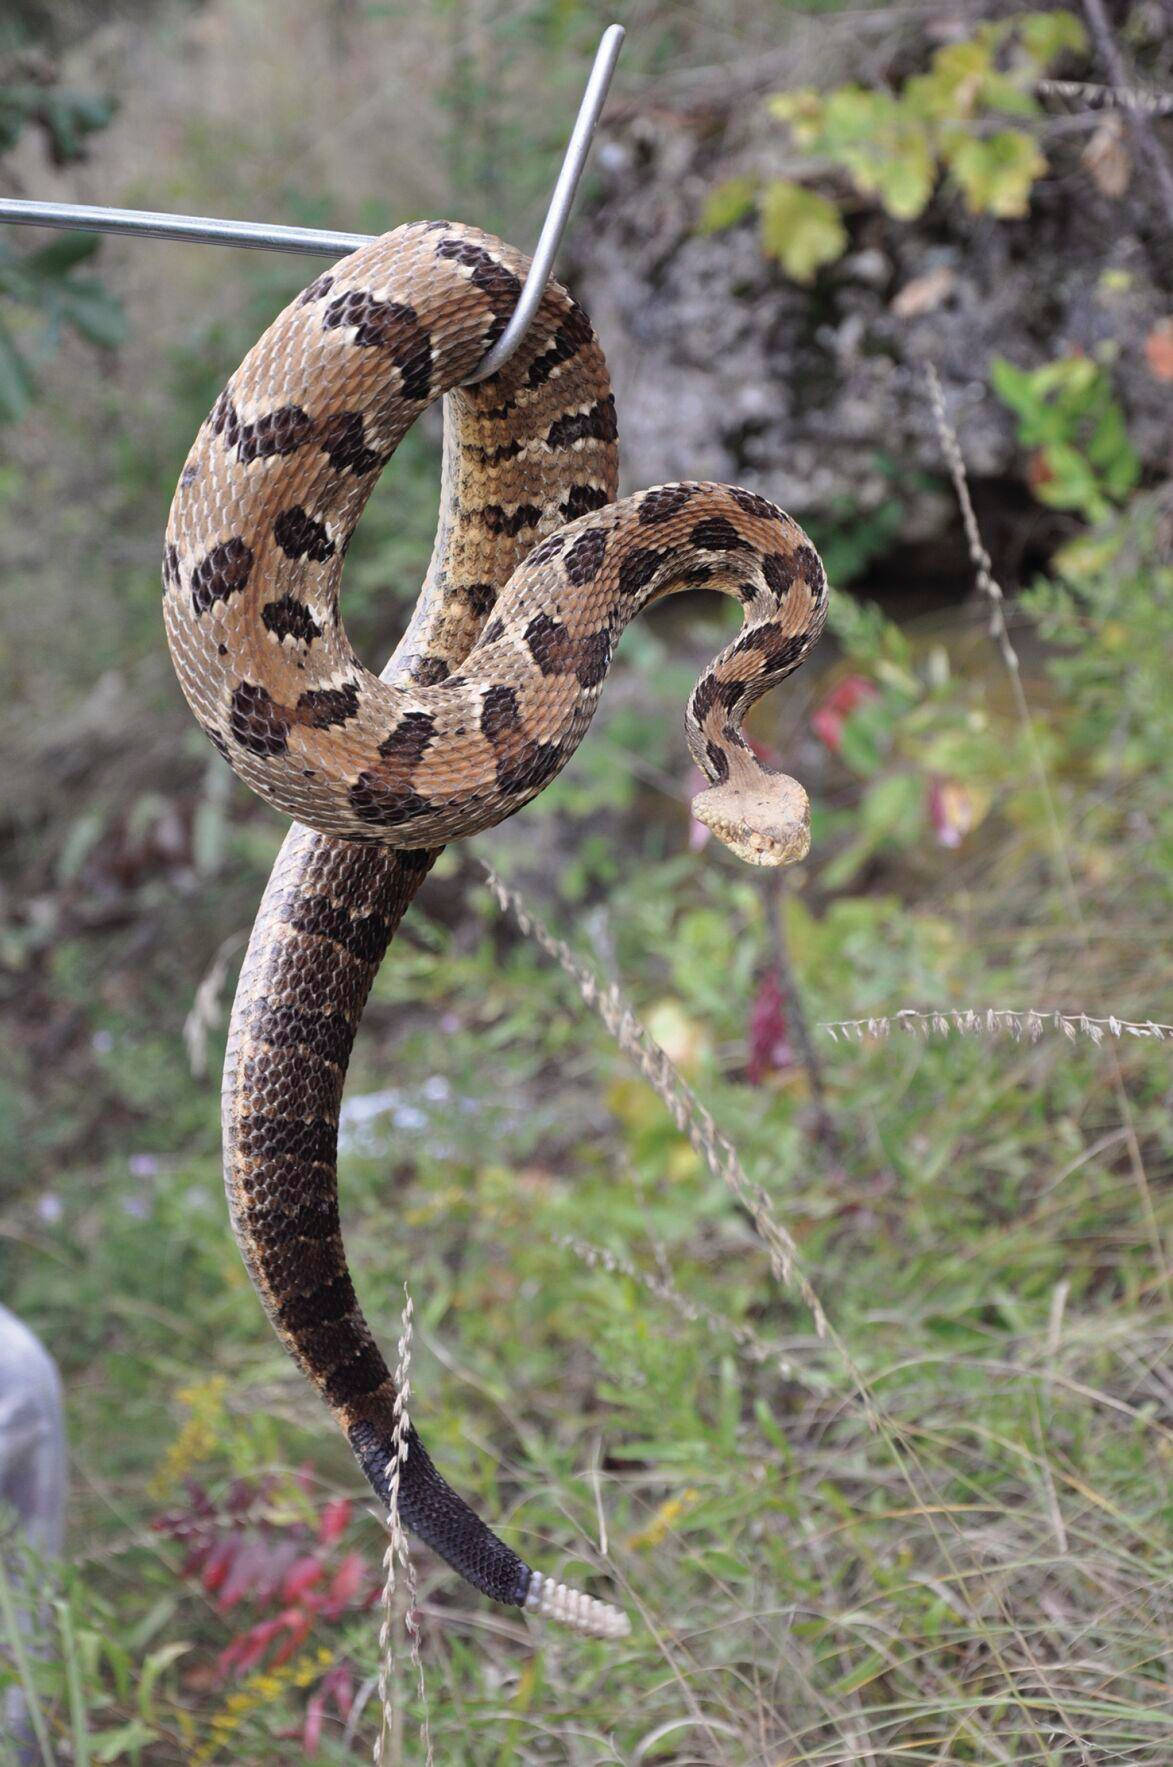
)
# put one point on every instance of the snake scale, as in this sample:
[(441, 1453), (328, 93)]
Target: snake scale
[(535, 572)]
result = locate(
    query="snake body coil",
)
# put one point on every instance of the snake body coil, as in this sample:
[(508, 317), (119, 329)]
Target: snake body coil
[(535, 572)]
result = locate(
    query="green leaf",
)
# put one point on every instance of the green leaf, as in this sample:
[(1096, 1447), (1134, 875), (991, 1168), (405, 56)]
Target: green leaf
[(155, 1665), (727, 204), (893, 808), (771, 1429), (1087, 556), (17, 386), (1014, 386), (853, 115), (114, 1745), (994, 172), (14, 114), (84, 833), (1110, 451), (803, 110), (862, 736), (717, 1563), (62, 253), (70, 117), (1066, 410), (1002, 92), (885, 147), (1045, 35), (840, 871), (1123, 474), (952, 88), (93, 311), (1071, 483), (858, 749), (800, 228), (903, 176)]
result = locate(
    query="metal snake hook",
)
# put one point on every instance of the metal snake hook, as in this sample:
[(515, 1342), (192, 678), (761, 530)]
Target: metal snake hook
[(561, 202), (206, 230)]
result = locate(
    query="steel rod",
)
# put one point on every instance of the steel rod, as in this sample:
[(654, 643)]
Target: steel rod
[(196, 229), (561, 201), (262, 236)]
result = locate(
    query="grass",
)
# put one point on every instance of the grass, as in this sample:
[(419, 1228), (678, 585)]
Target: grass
[(980, 1577)]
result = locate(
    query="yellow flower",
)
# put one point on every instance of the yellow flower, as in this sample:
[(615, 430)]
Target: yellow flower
[(262, 1687), (199, 1436)]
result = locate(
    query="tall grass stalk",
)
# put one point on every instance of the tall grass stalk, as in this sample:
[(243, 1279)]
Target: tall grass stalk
[(77, 1704), (991, 1021), (990, 587), (390, 1728), (14, 1641)]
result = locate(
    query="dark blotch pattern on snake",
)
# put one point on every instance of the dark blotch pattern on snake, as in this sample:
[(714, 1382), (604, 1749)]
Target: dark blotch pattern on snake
[(487, 696)]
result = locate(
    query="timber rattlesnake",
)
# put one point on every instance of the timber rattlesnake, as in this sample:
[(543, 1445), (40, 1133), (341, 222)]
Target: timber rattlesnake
[(535, 572)]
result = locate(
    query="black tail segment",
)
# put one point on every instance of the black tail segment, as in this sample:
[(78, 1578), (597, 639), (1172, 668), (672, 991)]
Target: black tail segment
[(431, 1509)]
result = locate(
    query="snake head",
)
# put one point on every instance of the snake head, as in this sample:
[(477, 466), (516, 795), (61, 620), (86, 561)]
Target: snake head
[(765, 820)]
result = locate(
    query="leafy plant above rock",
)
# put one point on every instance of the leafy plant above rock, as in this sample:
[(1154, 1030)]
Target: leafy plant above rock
[(897, 146), (1082, 458)]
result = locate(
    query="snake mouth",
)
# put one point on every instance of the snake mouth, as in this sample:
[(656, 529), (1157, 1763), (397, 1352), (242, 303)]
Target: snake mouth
[(766, 822)]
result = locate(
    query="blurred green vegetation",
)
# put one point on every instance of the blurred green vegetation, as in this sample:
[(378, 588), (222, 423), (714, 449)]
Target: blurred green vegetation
[(39, 286), (972, 1565), (896, 146)]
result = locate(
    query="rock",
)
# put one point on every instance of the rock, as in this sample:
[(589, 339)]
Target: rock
[(816, 396)]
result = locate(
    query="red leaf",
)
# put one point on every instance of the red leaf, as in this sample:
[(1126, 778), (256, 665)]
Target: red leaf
[(301, 1576), (240, 1497), (311, 1736), (249, 1574), (348, 1579), (341, 1685), (196, 1558), (217, 1564), (1158, 350), (1039, 471), (246, 1651), (299, 1622), (828, 719), (335, 1519), (769, 1045)]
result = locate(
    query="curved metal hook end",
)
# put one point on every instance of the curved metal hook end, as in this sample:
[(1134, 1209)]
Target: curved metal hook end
[(561, 202)]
